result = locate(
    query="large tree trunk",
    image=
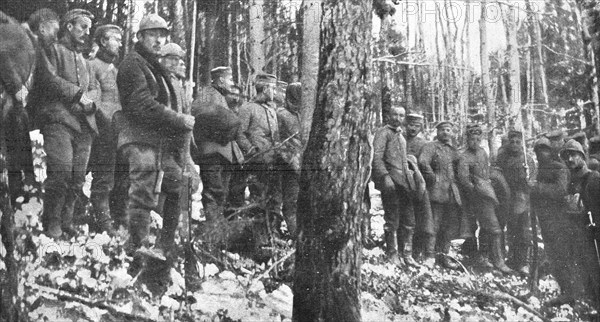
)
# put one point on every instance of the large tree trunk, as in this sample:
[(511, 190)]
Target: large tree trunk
[(256, 37), (178, 25), (309, 62), (336, 169), (514, 108)]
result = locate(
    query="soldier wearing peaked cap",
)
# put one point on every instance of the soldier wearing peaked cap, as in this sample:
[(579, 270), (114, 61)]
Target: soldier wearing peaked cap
[(258, 135), (511, 160), (103, 83), (583, 208), (437, 162), (215, 133), (557, 140), (594, 153), (480, 198), (153, 134), (67, 120), (414, 126)]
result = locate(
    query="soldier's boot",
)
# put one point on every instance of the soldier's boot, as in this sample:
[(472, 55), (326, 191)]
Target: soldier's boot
[(102, 218), (51, 216), (522, 259), (485, 252), (497, 254), (68, 211), (171, 214), (139, 231), (429, 251), (391, 246), (406, 240), (469, 247), (446, 260)]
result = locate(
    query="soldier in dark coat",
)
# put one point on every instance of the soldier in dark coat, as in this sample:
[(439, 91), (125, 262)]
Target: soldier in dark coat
[(511, 160), (557, 140), (68, 123), (480, 198), (583, 207), (395, 181), (414, 142), (288, 118), (548, 196), (215, 133), (257, 137), (103, 82), (152, 135), (438, 161)]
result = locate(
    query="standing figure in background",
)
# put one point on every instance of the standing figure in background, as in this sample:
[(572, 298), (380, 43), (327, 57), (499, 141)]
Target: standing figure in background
[(103, 83), (480, 198), (511, 160), (215, 133), (68, 123), (438, 161), (557, 140), (395, 181)]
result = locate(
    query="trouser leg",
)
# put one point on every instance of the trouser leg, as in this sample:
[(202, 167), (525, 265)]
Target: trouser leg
[(391, 207), (102, 166), (289, 190), (237, 186), (215, 187)]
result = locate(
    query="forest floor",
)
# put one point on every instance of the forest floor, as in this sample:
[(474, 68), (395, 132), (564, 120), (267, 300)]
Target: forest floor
[(86, 278)]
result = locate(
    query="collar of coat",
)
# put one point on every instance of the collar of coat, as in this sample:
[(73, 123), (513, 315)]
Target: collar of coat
[(152, 59), (68, 43), (105, 56), (395, 129)]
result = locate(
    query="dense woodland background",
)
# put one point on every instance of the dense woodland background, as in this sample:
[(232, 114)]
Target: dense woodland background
[(355, 59)]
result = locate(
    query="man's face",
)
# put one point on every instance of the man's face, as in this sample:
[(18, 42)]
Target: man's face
[(181, 68), (227, 81), (543, 154), (445, 133), (79, 29), (557, 143), (269, 91), (48, 30), (153, 40), (574, 160), (170, 63), (396, 116), (112, 42), (515, 143), (473, 141), (413, 129)]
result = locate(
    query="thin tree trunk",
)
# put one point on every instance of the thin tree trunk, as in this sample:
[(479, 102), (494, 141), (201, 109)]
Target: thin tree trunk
[(486, 82), (178, 25), (312, 11), (514, 107), (336, 170), (256, 37)]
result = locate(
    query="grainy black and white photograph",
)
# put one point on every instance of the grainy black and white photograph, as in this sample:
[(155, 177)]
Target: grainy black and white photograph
[(299, 160)]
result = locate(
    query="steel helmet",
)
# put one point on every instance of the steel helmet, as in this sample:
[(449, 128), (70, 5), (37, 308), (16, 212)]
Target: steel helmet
[(571, 145), (153, 21)]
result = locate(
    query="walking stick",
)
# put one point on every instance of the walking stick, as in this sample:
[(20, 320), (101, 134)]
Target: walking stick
[(533, 274)]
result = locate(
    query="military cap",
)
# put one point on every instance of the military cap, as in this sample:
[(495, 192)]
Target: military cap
[(571, 145), (172, 49), (265, 79), (281, 84), (542, 142), (40, 16), (474, 129), (218, 71), (579, 137), (555, 135), (595, 145), (153, 21), (293, 94), (515, 133), (102, 30), (76, 13), (414, 118), (442, 123)]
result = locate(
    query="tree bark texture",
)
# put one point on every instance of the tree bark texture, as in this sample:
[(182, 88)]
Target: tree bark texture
[(514, 107), (336, 169), (256, 37), (486, 81)]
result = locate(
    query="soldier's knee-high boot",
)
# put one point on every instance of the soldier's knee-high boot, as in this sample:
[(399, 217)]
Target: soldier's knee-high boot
[(429, 250), (406, 240), (67, 213), (139, 229), (51, 217), (171, 214), (100, 205), (497, 253), (522, 259), (391, 245)]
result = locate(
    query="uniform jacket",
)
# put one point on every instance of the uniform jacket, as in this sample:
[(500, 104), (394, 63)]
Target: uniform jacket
[(513, 169), (588, 186), (216, 126), (289, 124), (415, 145), (150, 113), (474, 175), (438, 162), (64, 78), (17, 54), (103, 86), (259, 129), (390, 158), (551, 188)]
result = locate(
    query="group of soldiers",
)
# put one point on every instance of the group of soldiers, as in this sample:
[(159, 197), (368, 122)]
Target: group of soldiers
[(141, 133), (433, 192)]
